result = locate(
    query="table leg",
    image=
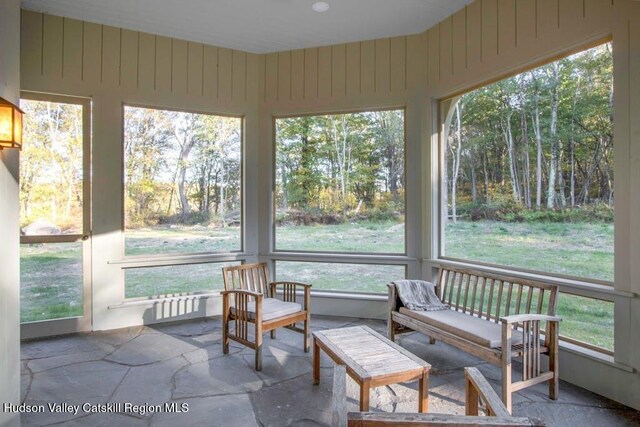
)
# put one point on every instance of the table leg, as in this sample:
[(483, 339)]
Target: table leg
[(423, 393), (364, 397), (316, 362)]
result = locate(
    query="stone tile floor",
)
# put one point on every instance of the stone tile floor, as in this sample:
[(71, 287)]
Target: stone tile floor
[(183, 363)]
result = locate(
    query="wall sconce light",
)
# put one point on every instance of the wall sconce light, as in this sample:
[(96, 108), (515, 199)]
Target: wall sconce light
[(10, 125)]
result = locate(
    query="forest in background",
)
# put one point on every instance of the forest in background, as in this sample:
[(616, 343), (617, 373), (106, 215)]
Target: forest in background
[(181, 168), (537, 146), (334, 168)]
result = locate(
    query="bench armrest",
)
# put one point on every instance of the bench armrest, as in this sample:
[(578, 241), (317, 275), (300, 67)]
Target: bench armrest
[(518, 318)]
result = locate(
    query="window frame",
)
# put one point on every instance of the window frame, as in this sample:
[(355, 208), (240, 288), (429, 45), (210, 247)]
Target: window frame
[(597, 289), (210, 256), (274, 151)]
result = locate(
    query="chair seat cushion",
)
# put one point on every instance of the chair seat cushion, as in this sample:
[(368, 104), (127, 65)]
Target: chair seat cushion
[(479, 331), (272, 308)]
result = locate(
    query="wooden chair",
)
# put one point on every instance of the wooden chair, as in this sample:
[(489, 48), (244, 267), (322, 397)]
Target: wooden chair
[(249, 302), (477, 389)]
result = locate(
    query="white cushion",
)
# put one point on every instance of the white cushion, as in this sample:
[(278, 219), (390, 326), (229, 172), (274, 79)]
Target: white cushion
[(272, 308), (480, 331)]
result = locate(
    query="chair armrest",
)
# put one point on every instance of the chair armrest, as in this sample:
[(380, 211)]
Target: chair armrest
[(304, 285), (289, 295), (477, 386), (518, 318), (256, 295)]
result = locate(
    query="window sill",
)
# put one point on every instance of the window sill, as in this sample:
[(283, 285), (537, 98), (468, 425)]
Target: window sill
[(595, 356), (159, 260)]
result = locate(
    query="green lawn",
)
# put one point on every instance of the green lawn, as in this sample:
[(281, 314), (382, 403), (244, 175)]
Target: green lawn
[(52, 287)]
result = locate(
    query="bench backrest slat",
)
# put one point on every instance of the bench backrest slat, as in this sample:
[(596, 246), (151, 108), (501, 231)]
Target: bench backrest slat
[(492, 296)]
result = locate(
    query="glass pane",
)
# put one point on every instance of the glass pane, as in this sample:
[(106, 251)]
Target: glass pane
[(340, 183), (341, 277), (528, 174), (50, 281), (183, 187), (587, 319), (51, 169), (174, 279)]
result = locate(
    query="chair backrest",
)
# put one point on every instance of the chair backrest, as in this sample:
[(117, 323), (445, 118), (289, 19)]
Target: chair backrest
[(248, 277)]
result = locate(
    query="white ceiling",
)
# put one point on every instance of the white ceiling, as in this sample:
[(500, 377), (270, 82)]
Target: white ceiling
[(259, 26)]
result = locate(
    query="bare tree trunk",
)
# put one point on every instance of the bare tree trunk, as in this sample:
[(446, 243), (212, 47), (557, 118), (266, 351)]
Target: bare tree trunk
[(553, 166), (538, 134), (456, 164), (474, 191), (525, 147), (513, 171), (561, 187), (573, 172), (487, 197)]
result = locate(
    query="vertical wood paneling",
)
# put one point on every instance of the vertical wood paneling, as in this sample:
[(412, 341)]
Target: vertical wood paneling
[(474, 34), (284, 76), (383, 66), (163, 64), (547, 17), (506, 26), (72, 50), (210, 67), (271, 76), (297, 75), (31, 44), (239, 77), (179, 67), (324, 72), (634, 141), (146, 62), (353, 69), (398, 56), (130, 56), (459, 41), (311, 73), (415, 59), (434, 55), (111, 59), (569, 12), (253, 72), (195, 53), (367, 67), (225, 74), (92, 53), (52, 47), (489, 29), (446, 44), (338, 70), (526, 27)]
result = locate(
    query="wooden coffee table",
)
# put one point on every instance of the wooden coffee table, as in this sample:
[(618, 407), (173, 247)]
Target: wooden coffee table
[(371, 360)]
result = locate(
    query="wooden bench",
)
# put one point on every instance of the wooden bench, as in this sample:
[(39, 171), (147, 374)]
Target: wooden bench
[(490, 313), (477, 389)]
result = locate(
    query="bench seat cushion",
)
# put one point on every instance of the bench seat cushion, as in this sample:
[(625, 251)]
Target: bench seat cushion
[(479, 331), (272, 308)]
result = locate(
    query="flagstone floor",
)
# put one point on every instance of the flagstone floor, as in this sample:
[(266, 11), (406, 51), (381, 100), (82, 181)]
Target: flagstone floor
[(183, 363)]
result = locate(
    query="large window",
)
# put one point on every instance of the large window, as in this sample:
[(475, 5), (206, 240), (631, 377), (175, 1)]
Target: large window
[(340, 183), (183, 182), (527, 181)]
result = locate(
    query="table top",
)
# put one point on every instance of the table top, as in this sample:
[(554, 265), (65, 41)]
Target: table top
[(369, 354)]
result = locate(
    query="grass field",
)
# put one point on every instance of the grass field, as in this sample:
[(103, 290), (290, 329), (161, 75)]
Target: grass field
[(52, 288)]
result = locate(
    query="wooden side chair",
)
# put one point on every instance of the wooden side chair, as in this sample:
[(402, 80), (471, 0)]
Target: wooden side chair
[(249, 303)]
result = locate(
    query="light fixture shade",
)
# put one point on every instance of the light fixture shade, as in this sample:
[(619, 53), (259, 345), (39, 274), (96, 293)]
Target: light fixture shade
[(10, 125)]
